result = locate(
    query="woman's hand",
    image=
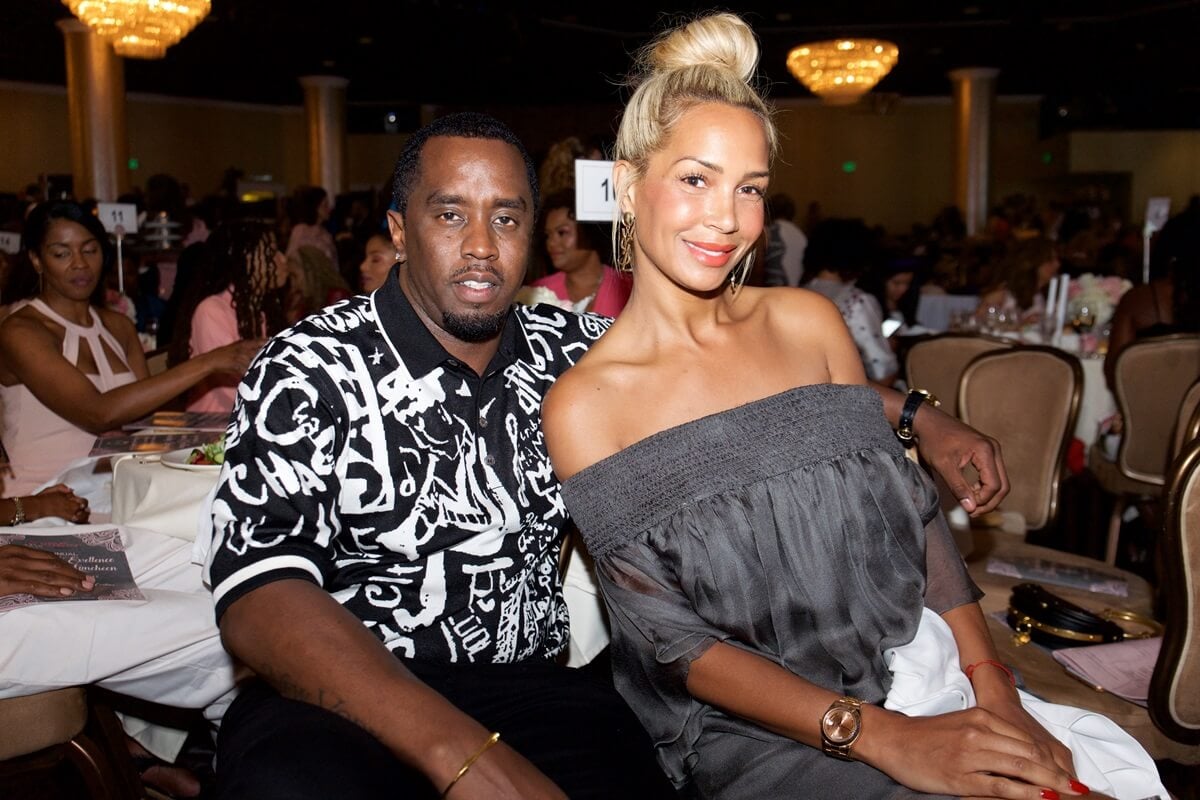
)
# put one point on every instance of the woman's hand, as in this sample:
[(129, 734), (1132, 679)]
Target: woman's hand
[(948, 446), (24, 570), (972, 753), (235, 358), (57, 501), (1007, 706)]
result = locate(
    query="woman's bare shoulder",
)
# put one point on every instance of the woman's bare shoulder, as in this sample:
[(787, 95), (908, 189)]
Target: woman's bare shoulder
[(580, 414)]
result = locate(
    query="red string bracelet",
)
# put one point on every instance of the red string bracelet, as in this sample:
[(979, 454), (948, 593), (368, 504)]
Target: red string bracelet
[(970, 670)]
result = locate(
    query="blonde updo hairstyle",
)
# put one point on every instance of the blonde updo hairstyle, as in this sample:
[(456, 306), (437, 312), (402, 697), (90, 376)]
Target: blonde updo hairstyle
[(711, 59)]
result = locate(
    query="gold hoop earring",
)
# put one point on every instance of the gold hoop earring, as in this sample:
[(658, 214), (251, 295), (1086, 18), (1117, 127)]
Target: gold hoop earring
[(737, 278), (626, 229)]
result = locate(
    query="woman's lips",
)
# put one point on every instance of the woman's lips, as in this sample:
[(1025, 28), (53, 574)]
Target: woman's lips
[(710, 254)]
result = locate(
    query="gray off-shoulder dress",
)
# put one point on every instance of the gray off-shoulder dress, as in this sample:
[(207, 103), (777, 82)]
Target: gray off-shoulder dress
[(793, 527)]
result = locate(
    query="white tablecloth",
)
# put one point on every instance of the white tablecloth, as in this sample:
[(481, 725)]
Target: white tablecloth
[(1096, 403), (934, 310), (149, 494)]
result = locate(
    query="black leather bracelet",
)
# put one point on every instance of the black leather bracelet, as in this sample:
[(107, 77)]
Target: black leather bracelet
[(915, 399)]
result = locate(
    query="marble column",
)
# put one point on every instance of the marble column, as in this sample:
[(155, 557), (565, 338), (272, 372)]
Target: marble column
[(95, 114), (974, 96), (325, 119)]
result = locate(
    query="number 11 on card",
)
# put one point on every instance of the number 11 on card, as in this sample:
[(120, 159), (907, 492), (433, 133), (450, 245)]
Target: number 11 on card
[(595, 197)]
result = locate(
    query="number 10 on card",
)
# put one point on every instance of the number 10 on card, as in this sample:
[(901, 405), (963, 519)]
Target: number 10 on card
[(595, 197)]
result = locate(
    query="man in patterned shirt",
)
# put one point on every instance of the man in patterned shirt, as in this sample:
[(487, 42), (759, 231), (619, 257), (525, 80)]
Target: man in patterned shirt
[(387, 525)]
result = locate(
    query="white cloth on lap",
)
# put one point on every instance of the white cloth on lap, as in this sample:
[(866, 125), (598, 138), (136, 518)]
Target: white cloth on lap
[(165, 649), (927, 680)]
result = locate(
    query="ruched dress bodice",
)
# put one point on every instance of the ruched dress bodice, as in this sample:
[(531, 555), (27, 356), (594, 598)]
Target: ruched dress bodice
[(794, 527)]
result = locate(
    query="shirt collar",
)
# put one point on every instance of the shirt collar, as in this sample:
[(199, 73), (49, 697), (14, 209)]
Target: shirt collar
[(422, 353)]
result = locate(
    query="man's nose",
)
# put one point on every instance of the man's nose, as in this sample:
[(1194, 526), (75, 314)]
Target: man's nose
[(479, 241)]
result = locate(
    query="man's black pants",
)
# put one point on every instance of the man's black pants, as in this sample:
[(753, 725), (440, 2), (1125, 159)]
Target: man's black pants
[(573, 727)]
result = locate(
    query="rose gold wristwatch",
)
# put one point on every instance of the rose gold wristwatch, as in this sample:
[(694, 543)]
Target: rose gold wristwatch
[(840, 727)]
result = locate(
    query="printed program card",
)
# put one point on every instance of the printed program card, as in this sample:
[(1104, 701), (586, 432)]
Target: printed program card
[(100, 554)]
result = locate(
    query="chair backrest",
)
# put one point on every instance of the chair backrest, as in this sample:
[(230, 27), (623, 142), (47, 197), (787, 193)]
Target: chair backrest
[(1174, 702), (1027, 398), (1150, 380), (937, 363), (1187, 421)]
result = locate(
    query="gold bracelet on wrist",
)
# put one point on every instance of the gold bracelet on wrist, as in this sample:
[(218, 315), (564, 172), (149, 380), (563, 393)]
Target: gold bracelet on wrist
[(18, 512), (491, 740)]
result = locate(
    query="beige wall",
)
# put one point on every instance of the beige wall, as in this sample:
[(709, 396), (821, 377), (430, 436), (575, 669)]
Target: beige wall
[(903, 156), (1163, 163)]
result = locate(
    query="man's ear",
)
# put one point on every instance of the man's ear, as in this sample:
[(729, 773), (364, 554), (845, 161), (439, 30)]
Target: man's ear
[(395, 221), (623, 175)]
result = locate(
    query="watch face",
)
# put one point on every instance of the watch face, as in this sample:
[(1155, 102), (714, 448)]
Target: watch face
[(840, 725)]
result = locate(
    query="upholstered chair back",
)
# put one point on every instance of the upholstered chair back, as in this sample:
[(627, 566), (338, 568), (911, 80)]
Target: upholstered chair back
[(937, 363), (1187, 421), (1175, 686), (1151, 378), (1027, 398)]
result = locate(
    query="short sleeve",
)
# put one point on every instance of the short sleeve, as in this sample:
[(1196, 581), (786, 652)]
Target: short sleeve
[(947, 582), (275, 508)]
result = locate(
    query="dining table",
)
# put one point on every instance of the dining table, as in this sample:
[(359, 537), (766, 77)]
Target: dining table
[(1036, 667)]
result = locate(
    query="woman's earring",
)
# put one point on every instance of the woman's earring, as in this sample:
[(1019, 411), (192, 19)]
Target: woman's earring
[(738, 277), (625, 234)]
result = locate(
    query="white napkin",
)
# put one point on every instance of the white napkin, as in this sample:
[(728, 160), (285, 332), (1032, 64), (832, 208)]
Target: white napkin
[(927, 681)]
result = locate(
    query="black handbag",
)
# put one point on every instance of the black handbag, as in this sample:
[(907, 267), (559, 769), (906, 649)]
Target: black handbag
[(1049, 620)]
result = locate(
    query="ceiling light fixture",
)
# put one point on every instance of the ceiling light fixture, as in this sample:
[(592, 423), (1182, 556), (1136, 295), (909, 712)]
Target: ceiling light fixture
[(140, 28), (840, 71)]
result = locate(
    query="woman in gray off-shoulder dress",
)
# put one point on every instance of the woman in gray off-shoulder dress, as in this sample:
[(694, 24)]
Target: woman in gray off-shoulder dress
[(760, 538)]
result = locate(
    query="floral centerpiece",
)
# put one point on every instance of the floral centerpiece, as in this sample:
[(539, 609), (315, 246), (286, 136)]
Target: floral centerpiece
[(1099, 295)]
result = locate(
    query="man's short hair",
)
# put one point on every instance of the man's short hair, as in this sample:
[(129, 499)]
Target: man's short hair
[(467, 125)]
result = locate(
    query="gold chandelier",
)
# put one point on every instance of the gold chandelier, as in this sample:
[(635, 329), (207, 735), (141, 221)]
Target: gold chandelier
[(840, 71), (140, 28)]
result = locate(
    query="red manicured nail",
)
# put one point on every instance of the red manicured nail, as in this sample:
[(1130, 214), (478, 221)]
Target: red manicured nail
[(1049, 794), (1076, 786)]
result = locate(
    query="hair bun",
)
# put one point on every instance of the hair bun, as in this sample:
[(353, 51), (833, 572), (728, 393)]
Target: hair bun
[(718, 40)]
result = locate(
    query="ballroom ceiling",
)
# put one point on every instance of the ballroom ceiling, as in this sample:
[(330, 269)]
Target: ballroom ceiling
[(1098, 63)]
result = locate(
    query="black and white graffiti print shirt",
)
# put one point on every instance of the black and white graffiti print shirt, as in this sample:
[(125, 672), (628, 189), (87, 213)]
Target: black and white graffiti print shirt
[(363, 457)]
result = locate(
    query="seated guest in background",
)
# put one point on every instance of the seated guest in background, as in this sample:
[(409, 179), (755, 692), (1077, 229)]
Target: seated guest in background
[(1170, 302), (56, 501), (1018, 289), (70, 370), (785, 244), (838, 253), (313, 283), (580, 254), (377, 264), (891, 284), (387, 528), (310, 209), (239, 299), (165, 649), (761, 538)]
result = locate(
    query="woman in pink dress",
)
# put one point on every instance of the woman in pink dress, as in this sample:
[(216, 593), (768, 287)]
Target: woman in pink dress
[(70, 370), (240, 299), (578, 252)]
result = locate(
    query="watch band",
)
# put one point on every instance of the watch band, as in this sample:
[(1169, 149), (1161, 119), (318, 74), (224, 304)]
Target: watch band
[(18, 512), (911, 403), (841, 727)]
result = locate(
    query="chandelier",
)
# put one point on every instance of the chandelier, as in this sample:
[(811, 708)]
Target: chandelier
[(840, 71), (140, 28)]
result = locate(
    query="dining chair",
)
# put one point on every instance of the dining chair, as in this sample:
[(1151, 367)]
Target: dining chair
[(1150, 380), (1187, 421), (1027, 397), (39, 732), (936, 364), (1174, 701)]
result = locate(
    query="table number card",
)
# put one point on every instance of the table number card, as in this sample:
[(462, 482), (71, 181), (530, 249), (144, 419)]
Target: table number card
[(120, 219), (595, 194), (10, 242)]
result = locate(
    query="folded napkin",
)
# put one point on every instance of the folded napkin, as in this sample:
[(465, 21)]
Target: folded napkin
[(927, 680)]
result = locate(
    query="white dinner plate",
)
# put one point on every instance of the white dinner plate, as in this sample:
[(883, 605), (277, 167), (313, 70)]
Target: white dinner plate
[(177, 459)]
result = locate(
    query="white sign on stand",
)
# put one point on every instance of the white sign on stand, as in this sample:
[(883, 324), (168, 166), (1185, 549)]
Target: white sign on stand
[(10, 242), (119, 219), (595, 195), (1158, 209)]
